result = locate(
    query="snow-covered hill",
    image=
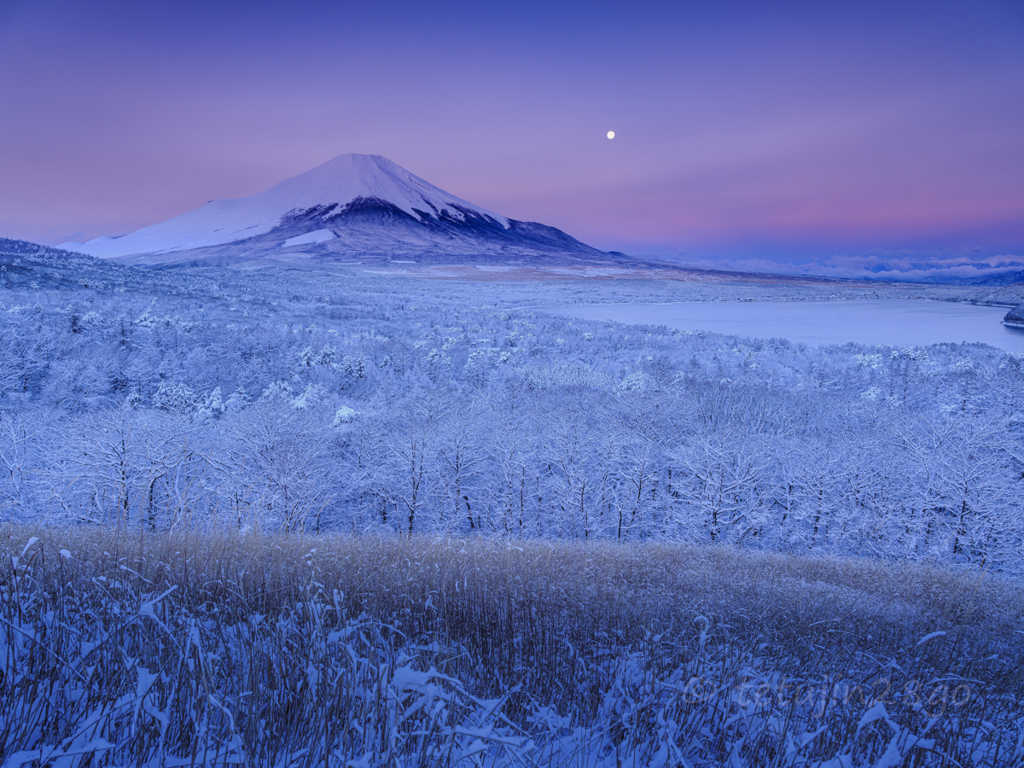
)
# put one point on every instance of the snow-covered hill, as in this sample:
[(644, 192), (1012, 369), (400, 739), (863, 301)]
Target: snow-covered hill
[(352, 207), (1015, 317)]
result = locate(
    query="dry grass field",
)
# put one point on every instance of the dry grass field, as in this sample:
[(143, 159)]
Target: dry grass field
[(214, 648)]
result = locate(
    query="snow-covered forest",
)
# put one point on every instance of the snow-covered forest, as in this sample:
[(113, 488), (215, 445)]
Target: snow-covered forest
[(295, 517), (299, 400)]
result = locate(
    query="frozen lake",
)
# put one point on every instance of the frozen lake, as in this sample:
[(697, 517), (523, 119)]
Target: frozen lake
[(900, 323)]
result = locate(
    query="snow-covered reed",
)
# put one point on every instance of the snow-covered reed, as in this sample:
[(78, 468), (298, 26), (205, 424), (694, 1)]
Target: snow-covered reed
[(212, 648)]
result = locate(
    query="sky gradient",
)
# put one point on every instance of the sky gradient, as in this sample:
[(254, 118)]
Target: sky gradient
[(744, 131)]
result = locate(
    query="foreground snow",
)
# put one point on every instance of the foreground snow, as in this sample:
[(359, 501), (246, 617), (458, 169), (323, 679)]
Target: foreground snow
[(209, 649)]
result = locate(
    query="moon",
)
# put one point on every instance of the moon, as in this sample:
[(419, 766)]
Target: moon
[(611, 134)]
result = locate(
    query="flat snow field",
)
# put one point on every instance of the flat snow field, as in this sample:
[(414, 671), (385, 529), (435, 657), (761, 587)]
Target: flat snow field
[(897, 323)]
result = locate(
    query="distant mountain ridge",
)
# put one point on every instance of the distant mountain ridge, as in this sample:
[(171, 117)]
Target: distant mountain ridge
[(999, 270), (354, 207), (33, 266)]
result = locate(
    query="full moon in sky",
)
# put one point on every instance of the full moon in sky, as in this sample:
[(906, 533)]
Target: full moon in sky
[(611, 134)]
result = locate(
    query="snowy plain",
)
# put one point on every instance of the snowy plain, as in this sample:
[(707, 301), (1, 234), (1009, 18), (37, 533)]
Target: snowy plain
[(323, 517)]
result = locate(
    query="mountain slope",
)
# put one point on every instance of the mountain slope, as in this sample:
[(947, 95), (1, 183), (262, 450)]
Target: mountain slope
[(352, 207)]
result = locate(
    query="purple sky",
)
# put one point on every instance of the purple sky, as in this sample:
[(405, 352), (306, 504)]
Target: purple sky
[(757, 130)]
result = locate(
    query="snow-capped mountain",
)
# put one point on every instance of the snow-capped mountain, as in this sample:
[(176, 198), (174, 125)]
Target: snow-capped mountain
[(352, 207)]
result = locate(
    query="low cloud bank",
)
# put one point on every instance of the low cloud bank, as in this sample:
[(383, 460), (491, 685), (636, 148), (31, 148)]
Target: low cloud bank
[(990, 270)]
